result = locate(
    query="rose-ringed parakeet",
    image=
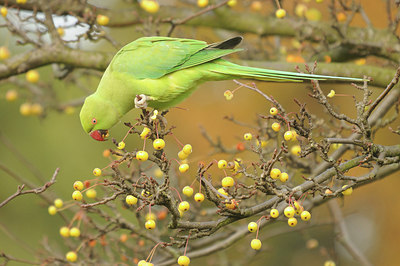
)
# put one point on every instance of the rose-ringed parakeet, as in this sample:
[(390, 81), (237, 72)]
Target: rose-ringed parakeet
[(160, 72)]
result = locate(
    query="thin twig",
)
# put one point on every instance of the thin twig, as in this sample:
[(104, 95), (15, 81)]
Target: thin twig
[(343, 234)]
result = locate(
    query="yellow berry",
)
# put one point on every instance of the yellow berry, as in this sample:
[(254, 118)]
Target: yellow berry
[(331, 94), (69, 110), (11, 95), (60, 31), (319, 1), (187, 149), (32, 76), (230, 204), (52, 210), (150, 6), (121, 145), (228, 181), (336, 146), (305, 216), (360, 62), (280, 13), (199, 197), (64, 231), (222, 164), (158, 173), (256, 244), (294, 135), (150, 216), (142, 156), (3, 11), (275, 173), (296, 150), (21, 1), (313, 14), (131, 200), (150, 224), (97, 172), (232, 3), (182, 155), (74, 232), (77, 195), (142, 263), (228, 95), (4, 53), (154, 116), (102, 20), (78, 185), (273, 111), (25, 109), (292, 222), (329, 263), (276, 127), (274, 213), (283, 177), (347, 192), (145, 193), (183, 261), (36, 109), (288, 135), (263, 143), (300, 10), (187, 191), (202, 3), (71, 256), (252, 227), (223, 192), (248, 136), (145, 133), (289, 211), (296, 205), (184, 206), (183, 167), (158, 144), (91, 193), (58, 203)]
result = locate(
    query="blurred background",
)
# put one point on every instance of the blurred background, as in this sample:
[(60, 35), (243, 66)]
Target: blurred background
[(33, 147)]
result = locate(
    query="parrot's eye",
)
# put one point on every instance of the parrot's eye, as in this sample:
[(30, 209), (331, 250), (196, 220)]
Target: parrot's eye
[(94, 121)]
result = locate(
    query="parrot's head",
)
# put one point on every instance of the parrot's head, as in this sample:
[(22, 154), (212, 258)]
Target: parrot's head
[(98, 116)]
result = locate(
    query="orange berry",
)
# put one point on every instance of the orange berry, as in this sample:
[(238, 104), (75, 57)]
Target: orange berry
[(256, 5)]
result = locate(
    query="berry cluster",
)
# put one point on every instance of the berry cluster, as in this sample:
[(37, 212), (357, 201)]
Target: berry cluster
[(231, 193)]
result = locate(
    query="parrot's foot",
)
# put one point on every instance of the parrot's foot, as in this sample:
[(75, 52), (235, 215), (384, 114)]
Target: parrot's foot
[(141, 101)]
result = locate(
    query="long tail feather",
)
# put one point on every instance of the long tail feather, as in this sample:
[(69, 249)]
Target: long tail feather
[(228, 68)]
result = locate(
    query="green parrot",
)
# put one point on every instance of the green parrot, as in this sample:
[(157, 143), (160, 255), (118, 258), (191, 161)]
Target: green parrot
[(160, 72)]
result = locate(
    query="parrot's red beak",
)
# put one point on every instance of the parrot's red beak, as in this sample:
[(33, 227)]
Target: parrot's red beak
[(99, 135)]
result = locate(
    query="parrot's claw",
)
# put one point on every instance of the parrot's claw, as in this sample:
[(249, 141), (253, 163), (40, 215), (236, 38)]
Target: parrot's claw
[(141, 101)]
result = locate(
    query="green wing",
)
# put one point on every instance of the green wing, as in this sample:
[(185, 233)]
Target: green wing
[(154, 57)]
